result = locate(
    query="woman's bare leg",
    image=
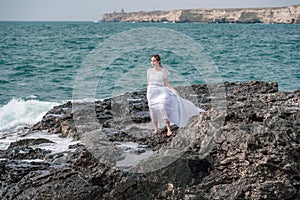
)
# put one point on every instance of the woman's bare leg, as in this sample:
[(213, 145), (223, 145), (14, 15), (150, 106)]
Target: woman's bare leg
[(169, 133), (155, 124), (165, 117), (154, 121)]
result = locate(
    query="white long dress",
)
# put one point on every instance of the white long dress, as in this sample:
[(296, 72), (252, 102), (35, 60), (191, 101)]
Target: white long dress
[(164, 104)]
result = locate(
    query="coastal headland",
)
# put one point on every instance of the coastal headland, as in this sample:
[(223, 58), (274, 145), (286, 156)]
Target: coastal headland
[(277, 15), (246, 145)]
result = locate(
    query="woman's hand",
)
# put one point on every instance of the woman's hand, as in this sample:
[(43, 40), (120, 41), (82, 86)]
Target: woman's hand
[(177, 93)]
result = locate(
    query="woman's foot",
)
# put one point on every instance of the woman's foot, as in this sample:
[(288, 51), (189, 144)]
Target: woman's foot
[(155, 131), (169, 133)]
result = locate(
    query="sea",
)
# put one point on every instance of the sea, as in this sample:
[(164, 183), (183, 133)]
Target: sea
[(43, 64)]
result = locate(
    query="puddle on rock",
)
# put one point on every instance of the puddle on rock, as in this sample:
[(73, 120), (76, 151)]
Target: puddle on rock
[(134, 154)]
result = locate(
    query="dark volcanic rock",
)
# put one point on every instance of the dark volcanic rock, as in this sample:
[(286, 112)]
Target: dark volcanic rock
[(245, 146)]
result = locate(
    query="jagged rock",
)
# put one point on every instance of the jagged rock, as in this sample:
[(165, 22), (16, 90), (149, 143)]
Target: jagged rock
[(250, 150)]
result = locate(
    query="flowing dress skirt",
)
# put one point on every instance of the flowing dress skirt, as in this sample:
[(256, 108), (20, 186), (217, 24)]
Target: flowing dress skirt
[(164, 105)]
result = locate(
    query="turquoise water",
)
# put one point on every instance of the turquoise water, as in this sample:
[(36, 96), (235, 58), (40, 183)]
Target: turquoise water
[(40, 61)]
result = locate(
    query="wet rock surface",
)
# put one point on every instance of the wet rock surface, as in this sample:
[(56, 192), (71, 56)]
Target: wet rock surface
[(245, 146)]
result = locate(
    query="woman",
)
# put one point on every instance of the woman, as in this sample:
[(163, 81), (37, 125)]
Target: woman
[(165, 104)]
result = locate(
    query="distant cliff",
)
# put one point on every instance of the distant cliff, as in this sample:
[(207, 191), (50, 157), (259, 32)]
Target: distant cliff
[(289, 14)]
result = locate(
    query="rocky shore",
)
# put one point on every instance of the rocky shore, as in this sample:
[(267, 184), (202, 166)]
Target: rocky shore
[(245, 146), (289, 14)]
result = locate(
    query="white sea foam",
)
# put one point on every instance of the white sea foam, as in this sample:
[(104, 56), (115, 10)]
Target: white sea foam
[(18, 112)]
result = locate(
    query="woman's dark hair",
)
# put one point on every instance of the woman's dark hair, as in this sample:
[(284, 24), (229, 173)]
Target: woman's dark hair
[(157, 57)]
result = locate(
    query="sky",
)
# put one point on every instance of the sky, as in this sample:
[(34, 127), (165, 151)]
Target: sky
[(91, 10)]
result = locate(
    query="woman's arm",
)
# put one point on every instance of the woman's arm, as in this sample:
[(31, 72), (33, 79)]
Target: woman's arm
[(147, 87), (167, 84), (147, 90)]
